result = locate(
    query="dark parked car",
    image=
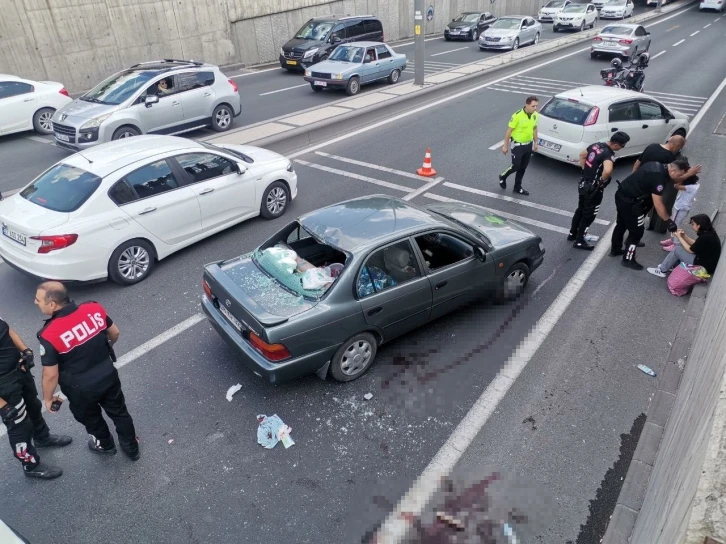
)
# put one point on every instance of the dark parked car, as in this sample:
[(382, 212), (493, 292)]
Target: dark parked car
[(469, 25), (318, 37), (323, 293)]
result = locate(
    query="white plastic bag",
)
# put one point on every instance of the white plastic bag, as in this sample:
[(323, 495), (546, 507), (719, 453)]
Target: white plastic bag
[(285, 258), (316, 278)]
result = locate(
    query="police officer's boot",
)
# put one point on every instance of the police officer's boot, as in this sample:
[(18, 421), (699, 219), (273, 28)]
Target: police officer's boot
[(53, 441), (581, 243), (629, 259), (95, 446), (42, 472)]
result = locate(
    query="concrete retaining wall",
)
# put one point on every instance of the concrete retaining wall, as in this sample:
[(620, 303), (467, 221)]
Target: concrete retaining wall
[(80, 42)]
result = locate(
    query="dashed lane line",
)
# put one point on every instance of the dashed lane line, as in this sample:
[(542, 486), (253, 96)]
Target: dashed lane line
[(449, 51), (696, 32), (285, 89), (679, 43), (658, 55)]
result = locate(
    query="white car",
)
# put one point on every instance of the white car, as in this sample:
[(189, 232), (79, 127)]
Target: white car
[(617, 9), (718, 5), (575, 17), (655, 2), (113, 210), (29, 105), (575, 119), (550, 9)]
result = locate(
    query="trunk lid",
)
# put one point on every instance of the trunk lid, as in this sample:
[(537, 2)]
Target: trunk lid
[(22, 219), (563, 119)]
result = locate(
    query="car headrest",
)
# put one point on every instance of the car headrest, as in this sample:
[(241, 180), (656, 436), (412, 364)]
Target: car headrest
[(395, 257)]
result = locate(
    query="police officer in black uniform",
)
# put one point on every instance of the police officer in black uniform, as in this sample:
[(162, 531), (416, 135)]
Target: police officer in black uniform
[(634, 198), (76, 353), (597, 162), (20, 407)]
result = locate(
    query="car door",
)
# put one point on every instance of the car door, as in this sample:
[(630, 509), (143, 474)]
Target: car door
[(385, 61), (624, 116), (395, 295), (355, 30), (456, 275), (161, 205), (197, 97), (523, 32), (17, 106), (225, 194), (590, 15), (653, 121), (485, 21), (369, 68), (628, 8), (166, 115)]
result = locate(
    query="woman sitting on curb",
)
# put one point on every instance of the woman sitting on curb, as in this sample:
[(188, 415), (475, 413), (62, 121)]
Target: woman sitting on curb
[(704, 251)]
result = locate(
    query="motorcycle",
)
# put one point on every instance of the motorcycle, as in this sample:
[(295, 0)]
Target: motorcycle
[(631, 77)]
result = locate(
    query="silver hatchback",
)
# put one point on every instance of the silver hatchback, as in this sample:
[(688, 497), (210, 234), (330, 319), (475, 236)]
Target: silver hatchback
[(159, 97)]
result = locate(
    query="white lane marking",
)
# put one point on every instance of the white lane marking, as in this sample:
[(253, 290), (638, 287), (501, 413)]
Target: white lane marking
[(717, 19), (354, 176), (447, 52), (395, 528), (709, 24), (658, 55), (679, 43), (497, 145), (412, 43), (451, 97), (696, 32), (256, 72), (370, 165), (434, 63), (505, 215), (285, 89), (519, 201), (422, 190), (39, 139), (579, 84)]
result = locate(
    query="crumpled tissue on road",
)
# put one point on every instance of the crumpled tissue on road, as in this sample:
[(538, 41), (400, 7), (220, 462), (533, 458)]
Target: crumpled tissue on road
[(232, 390), (273, 430)]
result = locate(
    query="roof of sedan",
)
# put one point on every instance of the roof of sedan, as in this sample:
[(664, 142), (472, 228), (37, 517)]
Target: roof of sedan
[(357, 223), (598, 94), (364, 44)]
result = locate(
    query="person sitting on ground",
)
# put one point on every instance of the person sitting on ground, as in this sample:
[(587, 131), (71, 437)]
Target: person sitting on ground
[(704, 251)]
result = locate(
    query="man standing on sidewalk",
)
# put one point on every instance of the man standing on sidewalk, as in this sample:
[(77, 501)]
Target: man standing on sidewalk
[(521, 136)]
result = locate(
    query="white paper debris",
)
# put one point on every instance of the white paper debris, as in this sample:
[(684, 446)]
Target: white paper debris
[(232, 390), (368, 396)]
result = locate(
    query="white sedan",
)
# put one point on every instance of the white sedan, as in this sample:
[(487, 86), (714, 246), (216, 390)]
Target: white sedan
[(29, 105), (115, 209), (617, 9), (575, 119)]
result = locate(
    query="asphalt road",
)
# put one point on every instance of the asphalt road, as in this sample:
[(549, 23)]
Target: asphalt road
[(202, 476)]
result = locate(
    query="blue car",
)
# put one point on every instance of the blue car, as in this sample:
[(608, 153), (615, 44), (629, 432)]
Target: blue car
[(354, 64)]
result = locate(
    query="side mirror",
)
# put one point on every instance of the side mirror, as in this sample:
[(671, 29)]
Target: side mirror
[(335, 39), (480, 254), (240, 168), (151, 100), (647, 33)]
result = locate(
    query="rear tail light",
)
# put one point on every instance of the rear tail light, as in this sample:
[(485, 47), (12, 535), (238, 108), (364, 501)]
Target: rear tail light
[(626, 42), (207, 290), (597, 39), (64, 92), (234, 85), (271, 352), (592, 116), (52, 243)]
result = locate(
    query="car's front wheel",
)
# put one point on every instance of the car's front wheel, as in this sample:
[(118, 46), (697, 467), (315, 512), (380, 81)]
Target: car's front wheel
[(132, 262), (316, 88), (582, 26), (354, 357), (222, 118), (353, 86), (42, 120), (125, 132), (515, 45), (514, 282), (274, 201), (536, 39)]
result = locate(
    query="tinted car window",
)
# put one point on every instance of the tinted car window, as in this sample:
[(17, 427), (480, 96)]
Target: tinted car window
[(153, 179), (640, 31), (195, 80), (234, 152), (373, 25), (393, 265), (119, 88), (383, 52), (122, 193), (202, 166), (354, 28), (315, 30), (338, 32), (14, 88), (618, 30), (441, 250), (63, 188), (626, 111), (564, 110), (650, 110)]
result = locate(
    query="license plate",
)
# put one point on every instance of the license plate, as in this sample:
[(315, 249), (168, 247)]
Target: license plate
[(62, 137), (292, 62), (15, 236), (232, 319), (320, 83), (454, 32), (549, 145)]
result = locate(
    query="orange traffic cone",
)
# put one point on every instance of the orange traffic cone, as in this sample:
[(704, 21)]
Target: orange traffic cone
[(426, 170)]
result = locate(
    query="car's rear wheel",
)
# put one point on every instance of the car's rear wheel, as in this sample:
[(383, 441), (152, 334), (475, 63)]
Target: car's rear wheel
[(42, 120), (131, 263), (354, 357), (125, 132), (593, 55), (353, 86), (222, 118), (274, 201), (514, 282), (393, 78), (315, 88)]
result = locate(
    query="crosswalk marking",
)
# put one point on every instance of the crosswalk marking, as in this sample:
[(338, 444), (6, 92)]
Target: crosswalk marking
[(431, 66), (353, 175), (370, 165)]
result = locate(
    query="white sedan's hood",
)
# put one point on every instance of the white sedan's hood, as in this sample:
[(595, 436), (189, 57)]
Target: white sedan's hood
[(550, 11), (258, 154), (613, 9)]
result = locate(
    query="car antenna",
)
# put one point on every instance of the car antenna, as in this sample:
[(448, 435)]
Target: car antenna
[(82, 155)]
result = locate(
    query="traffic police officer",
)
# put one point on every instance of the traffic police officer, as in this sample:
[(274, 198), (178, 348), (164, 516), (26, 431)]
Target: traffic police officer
[(634, 198), (76, 353), (597, 167), (20, 407), (521, 136)]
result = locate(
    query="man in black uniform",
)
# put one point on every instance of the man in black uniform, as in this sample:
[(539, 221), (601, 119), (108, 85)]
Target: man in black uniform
[(20, 407), (597, 167), (639, 192), (75, 349)]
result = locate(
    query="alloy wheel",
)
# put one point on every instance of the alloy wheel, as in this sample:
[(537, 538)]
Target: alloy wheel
[(134, 262), (276, 200), (44, 120), (223, 118)]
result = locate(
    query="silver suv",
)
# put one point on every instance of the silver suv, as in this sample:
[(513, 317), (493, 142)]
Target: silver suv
[(159, 97)]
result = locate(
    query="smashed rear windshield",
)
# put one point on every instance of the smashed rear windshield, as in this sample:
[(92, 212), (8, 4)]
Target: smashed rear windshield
[(63, 188), (566, 110)]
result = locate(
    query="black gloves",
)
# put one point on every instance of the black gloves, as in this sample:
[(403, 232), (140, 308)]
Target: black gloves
[(672, 227), (8, 413), (28, 359)]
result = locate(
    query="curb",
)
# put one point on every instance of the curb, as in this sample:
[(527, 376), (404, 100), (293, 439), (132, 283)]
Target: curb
[(632, 493), (295, 136)]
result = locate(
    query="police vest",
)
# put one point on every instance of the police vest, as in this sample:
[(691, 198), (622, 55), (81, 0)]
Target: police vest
[(523, 126)]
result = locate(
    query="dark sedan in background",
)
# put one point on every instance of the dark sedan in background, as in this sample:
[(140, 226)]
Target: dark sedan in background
[(327, 290), (468, 25)]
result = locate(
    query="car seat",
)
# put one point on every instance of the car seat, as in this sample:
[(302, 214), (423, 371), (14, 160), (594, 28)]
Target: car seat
[(396, 261)]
